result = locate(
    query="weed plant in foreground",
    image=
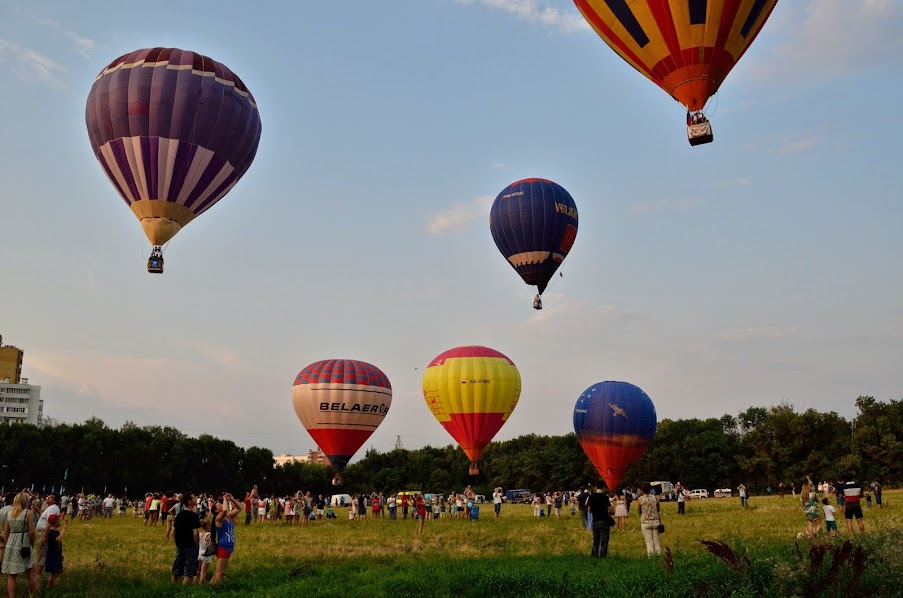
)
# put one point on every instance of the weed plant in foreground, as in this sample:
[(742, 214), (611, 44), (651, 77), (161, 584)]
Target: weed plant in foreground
[(518, 555)]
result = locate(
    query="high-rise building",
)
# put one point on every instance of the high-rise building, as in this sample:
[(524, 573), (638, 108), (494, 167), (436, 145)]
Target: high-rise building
[(10, 363), (20, 402)]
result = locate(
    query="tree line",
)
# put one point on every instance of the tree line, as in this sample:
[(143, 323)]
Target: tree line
[(759, 447)]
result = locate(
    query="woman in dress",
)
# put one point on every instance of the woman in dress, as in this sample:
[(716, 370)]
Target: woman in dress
[(19, 532), (621, 512)]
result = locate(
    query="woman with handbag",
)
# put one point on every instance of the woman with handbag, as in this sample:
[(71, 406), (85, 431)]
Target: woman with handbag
[(650, 520), (19, 531)]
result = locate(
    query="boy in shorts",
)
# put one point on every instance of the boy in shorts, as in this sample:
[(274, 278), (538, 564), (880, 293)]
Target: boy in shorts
[(830, 520)]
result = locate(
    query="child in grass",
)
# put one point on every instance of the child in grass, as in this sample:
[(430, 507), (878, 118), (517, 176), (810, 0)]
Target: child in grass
[(52, 539), (204, 541), (813, 517), (830, 521)]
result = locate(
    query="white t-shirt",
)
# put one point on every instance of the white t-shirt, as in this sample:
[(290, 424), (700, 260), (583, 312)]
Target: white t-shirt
[(496, 498), (108, 502), (42, 522), (829, 512)]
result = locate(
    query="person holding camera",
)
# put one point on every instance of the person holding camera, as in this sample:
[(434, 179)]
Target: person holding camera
[(19, 531), (225, 535)]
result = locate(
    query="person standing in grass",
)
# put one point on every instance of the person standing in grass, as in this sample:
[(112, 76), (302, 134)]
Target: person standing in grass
[(582, 497), (205, 539), (53, 563), (420, 508), (390, 502), (852, 492), (841, 499), (813, 517), (19, 531), (681, 501), (830, 521), (41, 527), (497, 502), (876, 490), (185, 526), (741, 489), (621, 511), (598, 505), (225, 535), (650, 520)]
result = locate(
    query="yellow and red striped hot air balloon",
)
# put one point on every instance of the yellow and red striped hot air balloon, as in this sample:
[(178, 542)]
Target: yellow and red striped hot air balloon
[(472, 391), (686, 47)]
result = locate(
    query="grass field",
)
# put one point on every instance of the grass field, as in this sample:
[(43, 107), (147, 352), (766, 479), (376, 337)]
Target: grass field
[(517, 555)]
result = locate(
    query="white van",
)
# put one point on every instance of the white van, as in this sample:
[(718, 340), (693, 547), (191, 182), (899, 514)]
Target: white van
[(699, 493), (337, 500), (663, 490)]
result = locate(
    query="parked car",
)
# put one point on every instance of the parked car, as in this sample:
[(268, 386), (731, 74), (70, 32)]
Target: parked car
[(699, 493), (481, 499), (723, 493)]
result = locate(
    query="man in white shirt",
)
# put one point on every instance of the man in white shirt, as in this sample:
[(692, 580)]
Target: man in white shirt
[(497, 502), (52, 509), (108, 503)]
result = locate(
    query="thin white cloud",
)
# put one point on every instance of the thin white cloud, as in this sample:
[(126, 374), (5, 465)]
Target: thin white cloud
[(765, 332), (84, 45), (832, 38), (497, 165), (120, 379), (796, 146), (222, 355), (459, 215), (664, 204), (743, 181), (541, 13), (29, 64)]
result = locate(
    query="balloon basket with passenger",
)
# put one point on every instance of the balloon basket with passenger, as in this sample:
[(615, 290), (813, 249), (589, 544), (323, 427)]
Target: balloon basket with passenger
[(155, 261), (699, 129), (474, 469)]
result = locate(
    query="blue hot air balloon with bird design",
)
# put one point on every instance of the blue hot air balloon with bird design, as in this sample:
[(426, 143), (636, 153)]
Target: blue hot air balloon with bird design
[(614, 422)]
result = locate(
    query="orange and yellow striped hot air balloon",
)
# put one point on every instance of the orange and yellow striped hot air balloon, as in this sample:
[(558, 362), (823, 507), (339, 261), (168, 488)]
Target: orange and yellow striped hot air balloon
[(686, 47), (472, 391)]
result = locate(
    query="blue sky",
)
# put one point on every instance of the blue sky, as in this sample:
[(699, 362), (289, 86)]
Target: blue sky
[(762, 268)]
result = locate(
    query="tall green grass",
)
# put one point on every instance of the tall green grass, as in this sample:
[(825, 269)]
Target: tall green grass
[(517, 555)]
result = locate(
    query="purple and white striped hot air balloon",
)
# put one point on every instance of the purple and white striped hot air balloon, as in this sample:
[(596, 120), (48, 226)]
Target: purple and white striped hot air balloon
[(174, 131)]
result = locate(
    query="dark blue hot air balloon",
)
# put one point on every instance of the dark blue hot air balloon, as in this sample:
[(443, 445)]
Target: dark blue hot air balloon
[(614, 422), (534, 224)]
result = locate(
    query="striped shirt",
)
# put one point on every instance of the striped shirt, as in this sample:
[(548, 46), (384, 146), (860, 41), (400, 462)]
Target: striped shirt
[(851, 492)]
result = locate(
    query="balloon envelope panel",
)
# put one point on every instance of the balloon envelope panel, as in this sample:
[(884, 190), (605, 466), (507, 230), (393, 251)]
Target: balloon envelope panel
[(471, 391), (341, 402), (174, 131), (614, 422), (534, 224), (686, 47)]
